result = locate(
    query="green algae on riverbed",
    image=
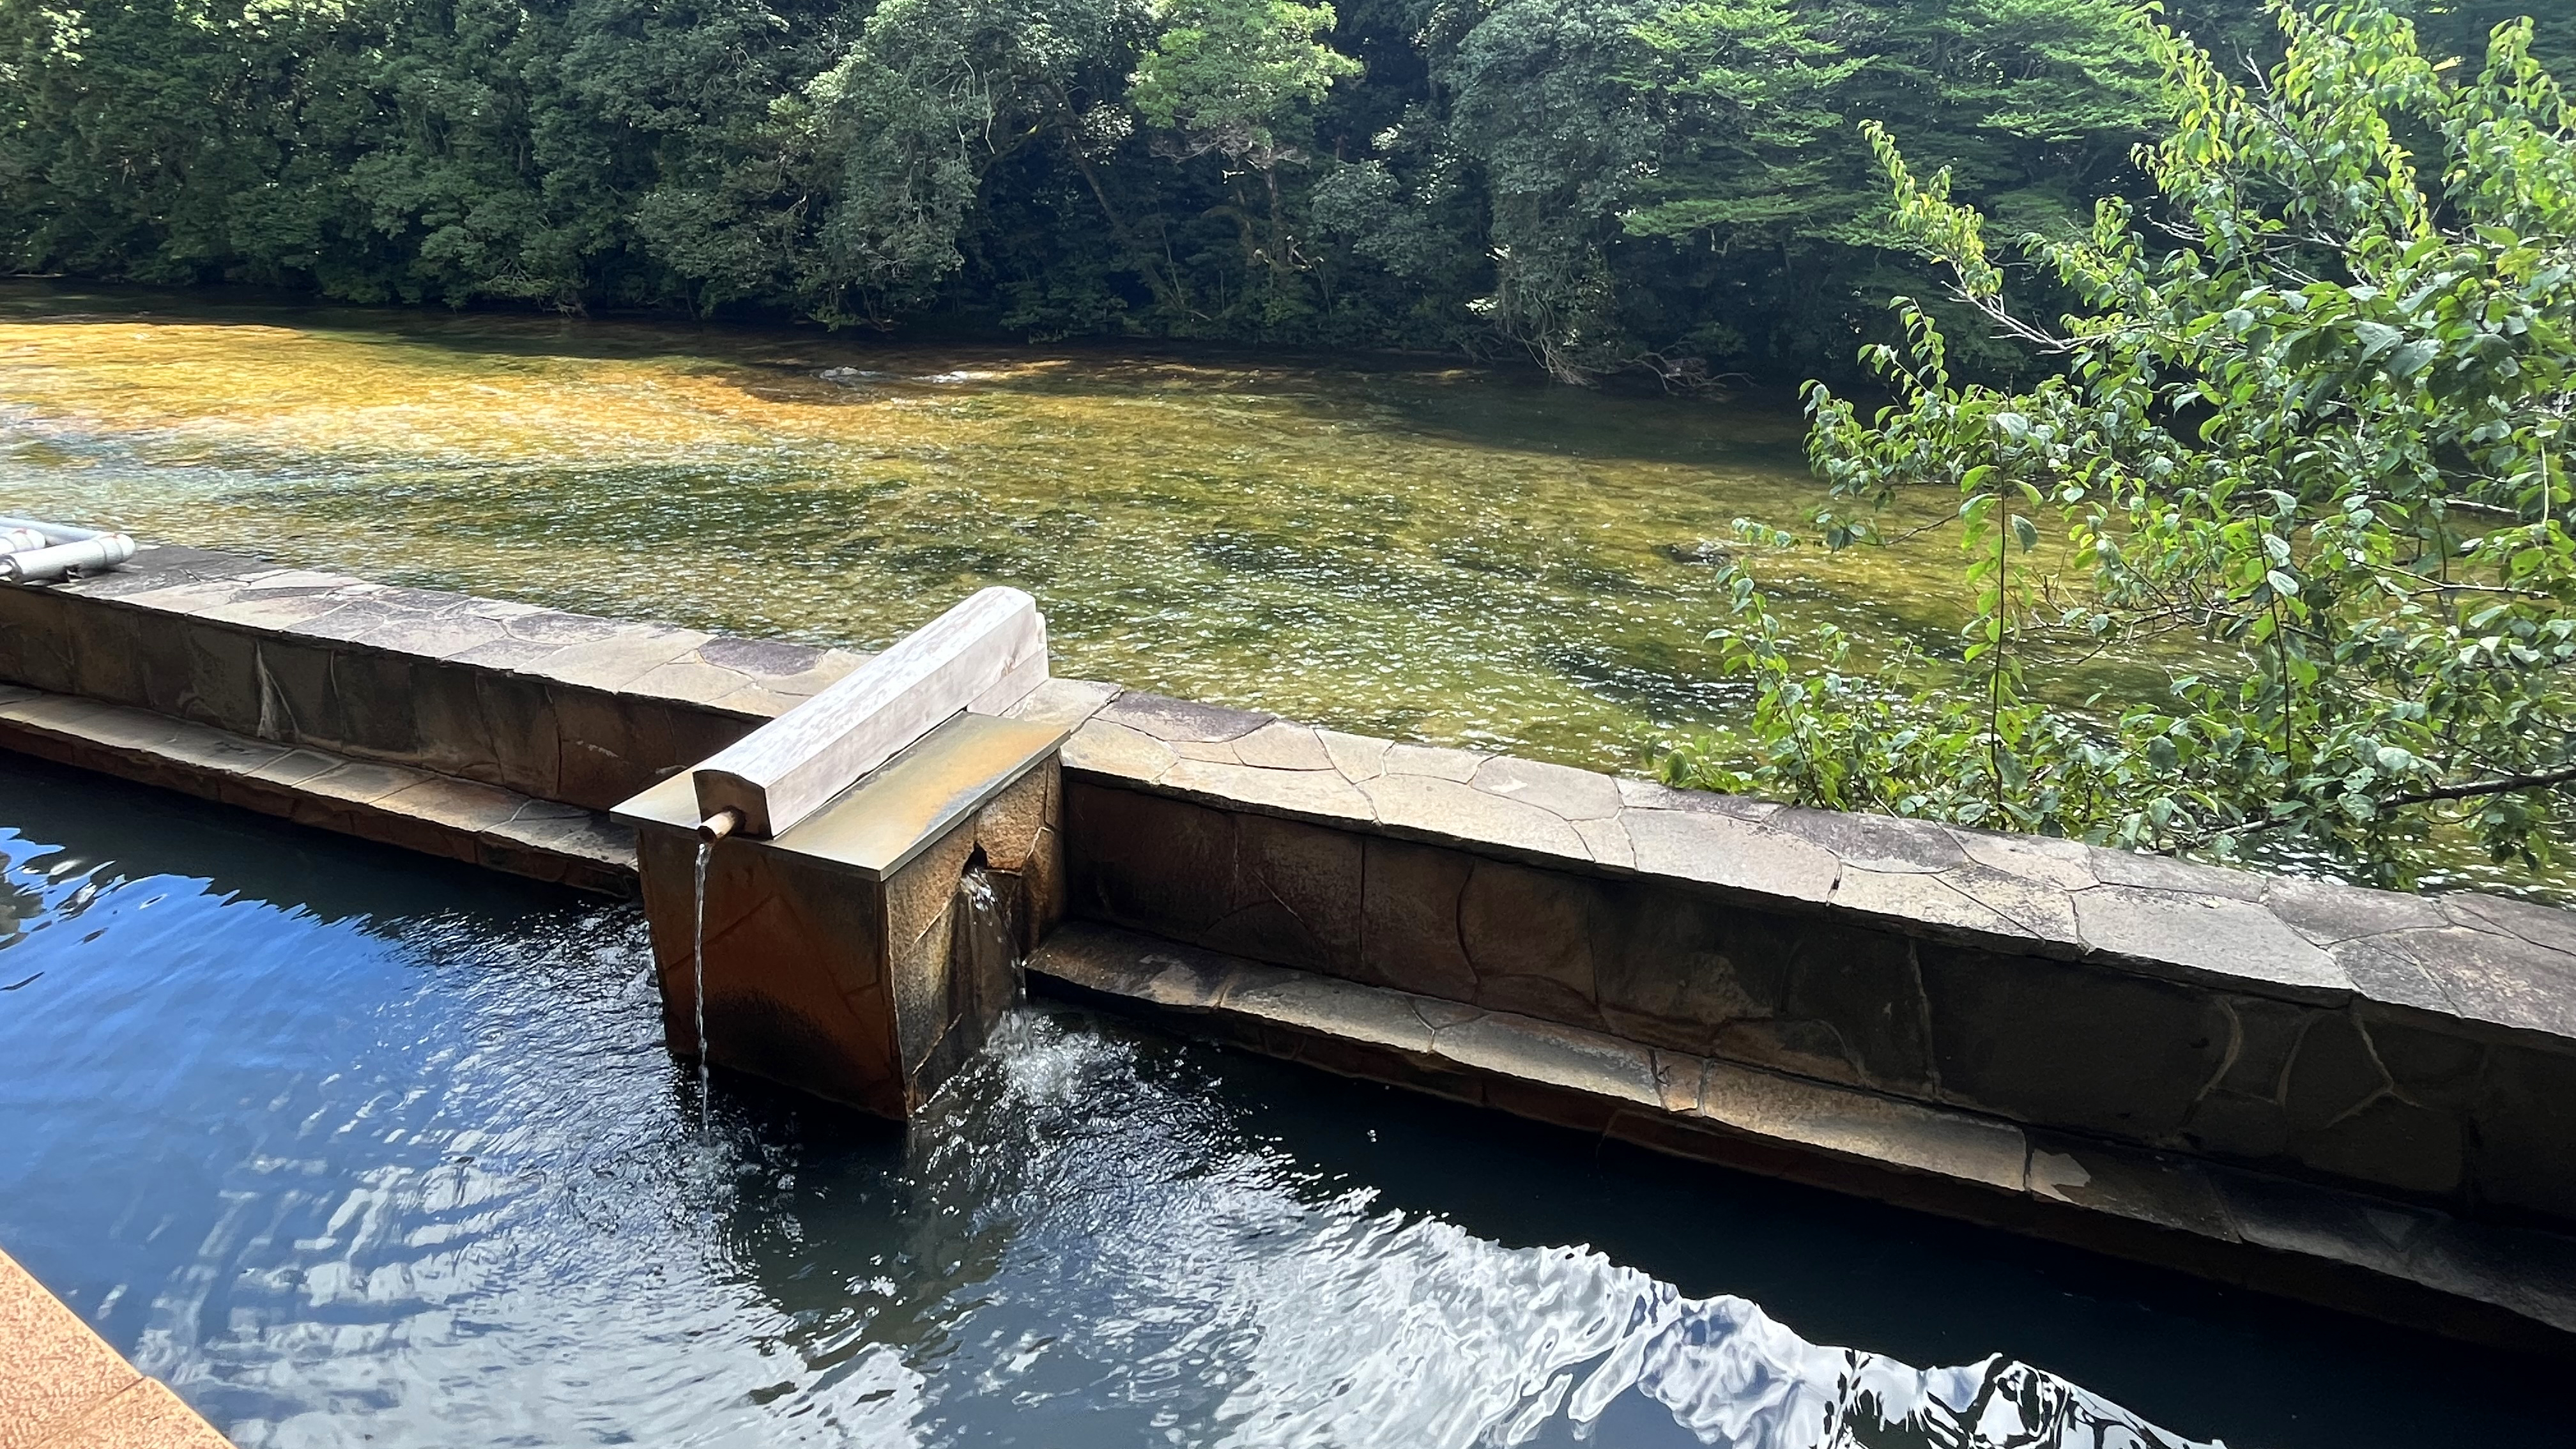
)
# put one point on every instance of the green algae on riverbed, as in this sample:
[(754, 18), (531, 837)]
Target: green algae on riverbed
[(1421, 551)]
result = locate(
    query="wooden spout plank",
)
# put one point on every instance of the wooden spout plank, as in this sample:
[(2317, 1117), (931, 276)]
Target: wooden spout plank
[(984, 655)]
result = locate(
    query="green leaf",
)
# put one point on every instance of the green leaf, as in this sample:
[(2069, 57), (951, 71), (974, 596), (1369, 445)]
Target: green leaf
[(2413, 357)]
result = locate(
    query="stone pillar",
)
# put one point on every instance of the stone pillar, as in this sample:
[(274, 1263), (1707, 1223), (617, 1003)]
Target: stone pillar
[(843, 957)]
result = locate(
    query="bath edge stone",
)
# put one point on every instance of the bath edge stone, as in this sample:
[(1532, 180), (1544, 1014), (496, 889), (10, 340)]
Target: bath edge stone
[(389, 804), (2504, 1286), (62, 1385)]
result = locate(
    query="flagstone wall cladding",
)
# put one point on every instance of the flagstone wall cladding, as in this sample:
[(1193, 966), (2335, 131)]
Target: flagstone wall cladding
[(2412, 1045), (553, 705)]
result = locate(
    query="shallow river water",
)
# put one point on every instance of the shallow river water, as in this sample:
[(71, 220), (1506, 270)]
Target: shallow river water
[(1425, 552), (354, 1148)]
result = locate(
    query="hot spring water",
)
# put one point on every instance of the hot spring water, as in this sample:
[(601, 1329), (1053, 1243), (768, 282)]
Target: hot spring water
[(351, 1146)]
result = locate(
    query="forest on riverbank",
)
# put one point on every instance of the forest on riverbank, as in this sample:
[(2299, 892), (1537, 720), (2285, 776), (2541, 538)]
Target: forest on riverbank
[(1675, 186)]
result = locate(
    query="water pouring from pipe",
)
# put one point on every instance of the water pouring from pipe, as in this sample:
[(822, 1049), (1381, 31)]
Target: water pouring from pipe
[(710, 830), (698, 966)]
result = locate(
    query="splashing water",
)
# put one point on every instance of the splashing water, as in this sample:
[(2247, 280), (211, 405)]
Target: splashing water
[(698, 996), (992, 935)]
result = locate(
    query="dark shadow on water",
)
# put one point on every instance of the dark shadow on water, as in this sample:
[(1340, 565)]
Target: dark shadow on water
[(1478, 404), (126, 830), (2199, 1359), (2194, 1357)]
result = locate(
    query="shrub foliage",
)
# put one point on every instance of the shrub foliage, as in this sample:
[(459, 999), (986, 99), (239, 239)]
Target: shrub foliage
[(2308, 439)]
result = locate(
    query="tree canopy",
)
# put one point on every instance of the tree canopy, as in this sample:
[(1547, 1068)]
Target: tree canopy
[(1677, 185)]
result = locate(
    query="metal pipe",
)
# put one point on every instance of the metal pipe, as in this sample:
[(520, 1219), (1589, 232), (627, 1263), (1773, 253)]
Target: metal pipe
[(53, 532), (719, 825), (43, 565)]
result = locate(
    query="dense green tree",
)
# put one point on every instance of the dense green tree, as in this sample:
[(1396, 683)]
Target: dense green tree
[(2033, 104), (1241, 79), (2308, 440), (1672, 185), (1540, 99)]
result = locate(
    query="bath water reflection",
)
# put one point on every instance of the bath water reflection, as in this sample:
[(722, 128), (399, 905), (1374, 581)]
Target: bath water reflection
[(349, 1144)]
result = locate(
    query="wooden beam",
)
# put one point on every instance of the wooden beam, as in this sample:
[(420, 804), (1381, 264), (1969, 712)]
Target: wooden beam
[(984, 655)]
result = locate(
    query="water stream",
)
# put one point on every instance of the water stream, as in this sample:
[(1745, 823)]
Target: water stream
[(353, 1146), (698, 994), (990, 946)]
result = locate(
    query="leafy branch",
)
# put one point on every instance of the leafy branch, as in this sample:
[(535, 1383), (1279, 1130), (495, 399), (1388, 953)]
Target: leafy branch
[(2319, 427)]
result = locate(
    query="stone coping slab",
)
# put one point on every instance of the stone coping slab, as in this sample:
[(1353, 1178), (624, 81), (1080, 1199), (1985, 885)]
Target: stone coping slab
[(546, 703), (879, 824), (392, 804), (2504, 963), (62, 1387), (755, 679), (2399, 1261)]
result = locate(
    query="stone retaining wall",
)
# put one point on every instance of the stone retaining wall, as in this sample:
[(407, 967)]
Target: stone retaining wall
[(552, 705), (2420, 1267), (2413, 1046), (2410, 1046)]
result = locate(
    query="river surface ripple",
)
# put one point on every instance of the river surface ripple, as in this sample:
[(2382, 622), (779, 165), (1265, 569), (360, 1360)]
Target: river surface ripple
[(1423, 551)]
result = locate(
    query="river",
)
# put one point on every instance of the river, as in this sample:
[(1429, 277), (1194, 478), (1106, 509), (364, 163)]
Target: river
[(1423, 551)]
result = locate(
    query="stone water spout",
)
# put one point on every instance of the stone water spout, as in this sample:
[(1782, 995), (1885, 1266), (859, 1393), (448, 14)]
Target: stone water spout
[(804, 883)]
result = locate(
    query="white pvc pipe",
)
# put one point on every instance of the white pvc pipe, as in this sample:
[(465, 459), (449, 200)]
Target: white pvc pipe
[(99, 551), (20, 540), (53, 532)]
